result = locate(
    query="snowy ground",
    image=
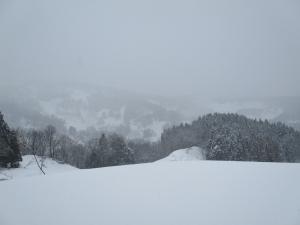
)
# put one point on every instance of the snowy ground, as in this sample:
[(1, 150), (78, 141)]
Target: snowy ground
[(29, 168), (170, 193)]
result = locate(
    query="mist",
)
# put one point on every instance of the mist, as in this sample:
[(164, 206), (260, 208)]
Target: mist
[(171, 48), (181, 111)]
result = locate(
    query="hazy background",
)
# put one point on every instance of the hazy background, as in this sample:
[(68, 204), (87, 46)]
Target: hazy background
[(137, 67), (203, 48)]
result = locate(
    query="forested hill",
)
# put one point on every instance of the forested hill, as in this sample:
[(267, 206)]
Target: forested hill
[(221, 136), (235, 137)]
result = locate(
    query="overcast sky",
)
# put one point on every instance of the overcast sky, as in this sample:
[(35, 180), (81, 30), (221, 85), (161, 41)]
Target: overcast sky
[(167, 47)]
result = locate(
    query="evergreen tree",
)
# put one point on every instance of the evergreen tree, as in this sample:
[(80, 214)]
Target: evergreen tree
[(9, 147)]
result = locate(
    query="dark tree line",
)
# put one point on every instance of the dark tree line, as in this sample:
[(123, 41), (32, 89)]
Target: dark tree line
[(235, 137), (222, 136)]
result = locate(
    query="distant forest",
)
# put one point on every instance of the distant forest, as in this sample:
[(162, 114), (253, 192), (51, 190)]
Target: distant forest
[(222, 136)]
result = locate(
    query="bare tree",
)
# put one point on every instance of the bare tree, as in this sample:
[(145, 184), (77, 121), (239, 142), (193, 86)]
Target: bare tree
[(37, 145), (50, 132)]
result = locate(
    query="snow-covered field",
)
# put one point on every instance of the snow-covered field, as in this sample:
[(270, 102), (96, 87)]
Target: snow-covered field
[(169, 193), (29, 168)]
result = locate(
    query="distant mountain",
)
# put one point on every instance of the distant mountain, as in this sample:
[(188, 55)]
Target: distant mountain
[(84, 111), (89, 109)]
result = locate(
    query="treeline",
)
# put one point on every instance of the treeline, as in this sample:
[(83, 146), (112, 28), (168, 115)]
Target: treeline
[(108, 150), (235, 137), (222, 136)]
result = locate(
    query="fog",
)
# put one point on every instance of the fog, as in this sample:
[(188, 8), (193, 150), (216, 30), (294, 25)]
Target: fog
[(202, 48)]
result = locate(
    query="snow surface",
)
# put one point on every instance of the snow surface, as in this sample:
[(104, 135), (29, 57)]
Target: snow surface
[(29, 168), (170, 193), (189, 154)]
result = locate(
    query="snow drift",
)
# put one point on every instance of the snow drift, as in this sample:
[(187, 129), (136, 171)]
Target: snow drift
[(176, 193), (28, 168), (189, 154)]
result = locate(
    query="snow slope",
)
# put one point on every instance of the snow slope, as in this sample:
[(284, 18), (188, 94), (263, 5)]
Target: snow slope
[(29, 168), (189, 154), (177, 193)]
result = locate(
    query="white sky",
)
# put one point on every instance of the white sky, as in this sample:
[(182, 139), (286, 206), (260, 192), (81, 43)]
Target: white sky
[(167, 47)]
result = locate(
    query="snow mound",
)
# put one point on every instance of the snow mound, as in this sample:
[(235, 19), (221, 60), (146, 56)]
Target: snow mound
[(193, 193), (189, 154), (28, 168)]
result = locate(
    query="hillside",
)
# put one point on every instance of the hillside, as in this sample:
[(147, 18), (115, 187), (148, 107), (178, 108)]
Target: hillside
[(233, 137), (175, 193)]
